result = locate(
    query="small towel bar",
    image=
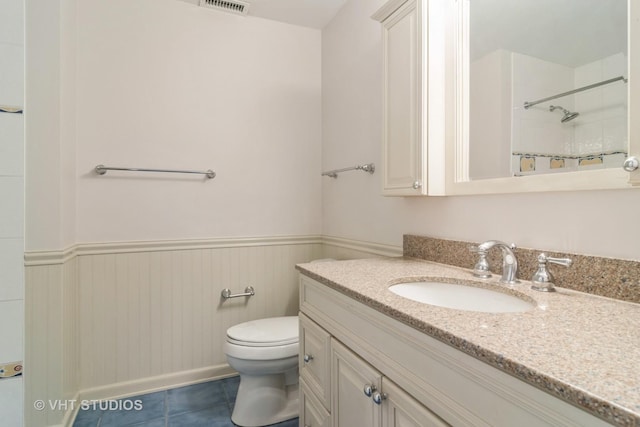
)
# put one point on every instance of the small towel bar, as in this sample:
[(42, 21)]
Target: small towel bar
[(248, 292), (369, 167)]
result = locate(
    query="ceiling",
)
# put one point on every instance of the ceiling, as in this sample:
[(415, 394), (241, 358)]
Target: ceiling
[(306, 13)]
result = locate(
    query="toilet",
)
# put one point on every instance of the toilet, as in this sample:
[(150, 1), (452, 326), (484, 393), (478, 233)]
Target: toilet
[(265, 354)]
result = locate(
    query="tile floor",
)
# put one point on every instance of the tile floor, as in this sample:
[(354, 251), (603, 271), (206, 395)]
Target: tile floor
[(205, 404)]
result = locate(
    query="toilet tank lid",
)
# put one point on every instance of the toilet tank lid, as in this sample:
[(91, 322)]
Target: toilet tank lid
[(273, 330)]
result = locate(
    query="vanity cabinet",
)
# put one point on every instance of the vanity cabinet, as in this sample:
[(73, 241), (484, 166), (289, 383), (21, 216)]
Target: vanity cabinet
[(363, 397), (413, 98), (315, 359), (425, 382), (312, 412), (338, 388)]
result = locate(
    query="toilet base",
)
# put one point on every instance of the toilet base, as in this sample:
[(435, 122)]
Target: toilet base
[(264, 400)]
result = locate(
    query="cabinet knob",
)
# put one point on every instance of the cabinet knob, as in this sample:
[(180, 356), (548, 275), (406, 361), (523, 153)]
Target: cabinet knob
[(369, 389), (307, 358), (417, 185), (630, 164), (379, 397)]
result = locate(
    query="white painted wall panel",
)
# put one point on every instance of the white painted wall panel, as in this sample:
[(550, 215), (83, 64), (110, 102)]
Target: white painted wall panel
[(157, 313), (44, 363)]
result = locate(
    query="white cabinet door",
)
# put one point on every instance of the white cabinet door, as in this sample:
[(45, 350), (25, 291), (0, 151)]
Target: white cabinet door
[(350, 407), (315, 358), (633, 87), (402, 410), (312, 412), (402, 165)]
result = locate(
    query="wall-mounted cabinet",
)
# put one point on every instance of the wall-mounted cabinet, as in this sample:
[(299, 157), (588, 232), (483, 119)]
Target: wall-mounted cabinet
[(413, 97), (528, 113), (475, 102)]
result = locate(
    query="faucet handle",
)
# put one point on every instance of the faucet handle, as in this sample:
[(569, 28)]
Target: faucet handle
[(543, 279), (481, 269), (560, 261)]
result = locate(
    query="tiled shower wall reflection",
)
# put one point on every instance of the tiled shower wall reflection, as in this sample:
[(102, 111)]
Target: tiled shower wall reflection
[(596, 138), (11, 197)]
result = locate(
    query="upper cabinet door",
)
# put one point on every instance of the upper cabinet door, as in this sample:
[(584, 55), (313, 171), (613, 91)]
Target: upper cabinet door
[(410, 107), (634, 87)]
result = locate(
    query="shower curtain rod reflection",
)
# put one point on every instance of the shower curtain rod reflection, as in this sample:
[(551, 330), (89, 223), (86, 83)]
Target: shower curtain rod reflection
[(571, 92), (102, 169)]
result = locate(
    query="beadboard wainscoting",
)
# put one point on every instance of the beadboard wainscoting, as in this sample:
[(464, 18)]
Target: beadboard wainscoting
[(155, 313), (51, 338), (116, 319)]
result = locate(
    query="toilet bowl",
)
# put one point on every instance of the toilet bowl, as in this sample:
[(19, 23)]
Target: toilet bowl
[(265, 354)]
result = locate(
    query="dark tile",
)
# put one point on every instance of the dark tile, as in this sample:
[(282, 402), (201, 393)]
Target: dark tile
[(87, 417), (215, 416), (134, 410), (231, 388), (195, 397), (158, 422)]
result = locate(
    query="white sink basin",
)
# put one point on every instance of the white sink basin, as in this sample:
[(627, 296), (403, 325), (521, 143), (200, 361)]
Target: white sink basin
[(461, 297)]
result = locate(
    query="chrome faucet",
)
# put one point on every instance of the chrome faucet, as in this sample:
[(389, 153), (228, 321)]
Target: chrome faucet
[(509, 261)]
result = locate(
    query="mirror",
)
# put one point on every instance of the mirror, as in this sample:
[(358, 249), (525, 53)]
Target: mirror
[(546, 87)]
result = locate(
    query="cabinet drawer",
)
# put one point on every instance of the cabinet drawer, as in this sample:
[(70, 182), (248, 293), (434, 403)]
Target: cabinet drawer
[(315, 359), (312, 412)]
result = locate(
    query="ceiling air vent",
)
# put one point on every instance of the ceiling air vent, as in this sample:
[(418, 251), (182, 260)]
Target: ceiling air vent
[(231, 6)]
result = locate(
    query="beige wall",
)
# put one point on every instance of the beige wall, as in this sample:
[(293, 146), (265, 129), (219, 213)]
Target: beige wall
[(590, 222), (166, 84)]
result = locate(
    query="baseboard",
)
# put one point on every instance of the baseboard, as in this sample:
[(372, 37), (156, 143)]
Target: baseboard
[(147, 385)]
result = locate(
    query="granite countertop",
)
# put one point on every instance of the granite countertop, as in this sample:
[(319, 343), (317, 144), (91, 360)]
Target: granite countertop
[(581, 348)]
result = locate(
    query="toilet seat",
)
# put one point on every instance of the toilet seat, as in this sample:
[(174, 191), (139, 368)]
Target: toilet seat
[(263, 339), (273, 331), (246, 352)]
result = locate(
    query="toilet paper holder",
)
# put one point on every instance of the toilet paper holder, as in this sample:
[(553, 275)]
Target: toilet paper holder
[(248, 292)]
